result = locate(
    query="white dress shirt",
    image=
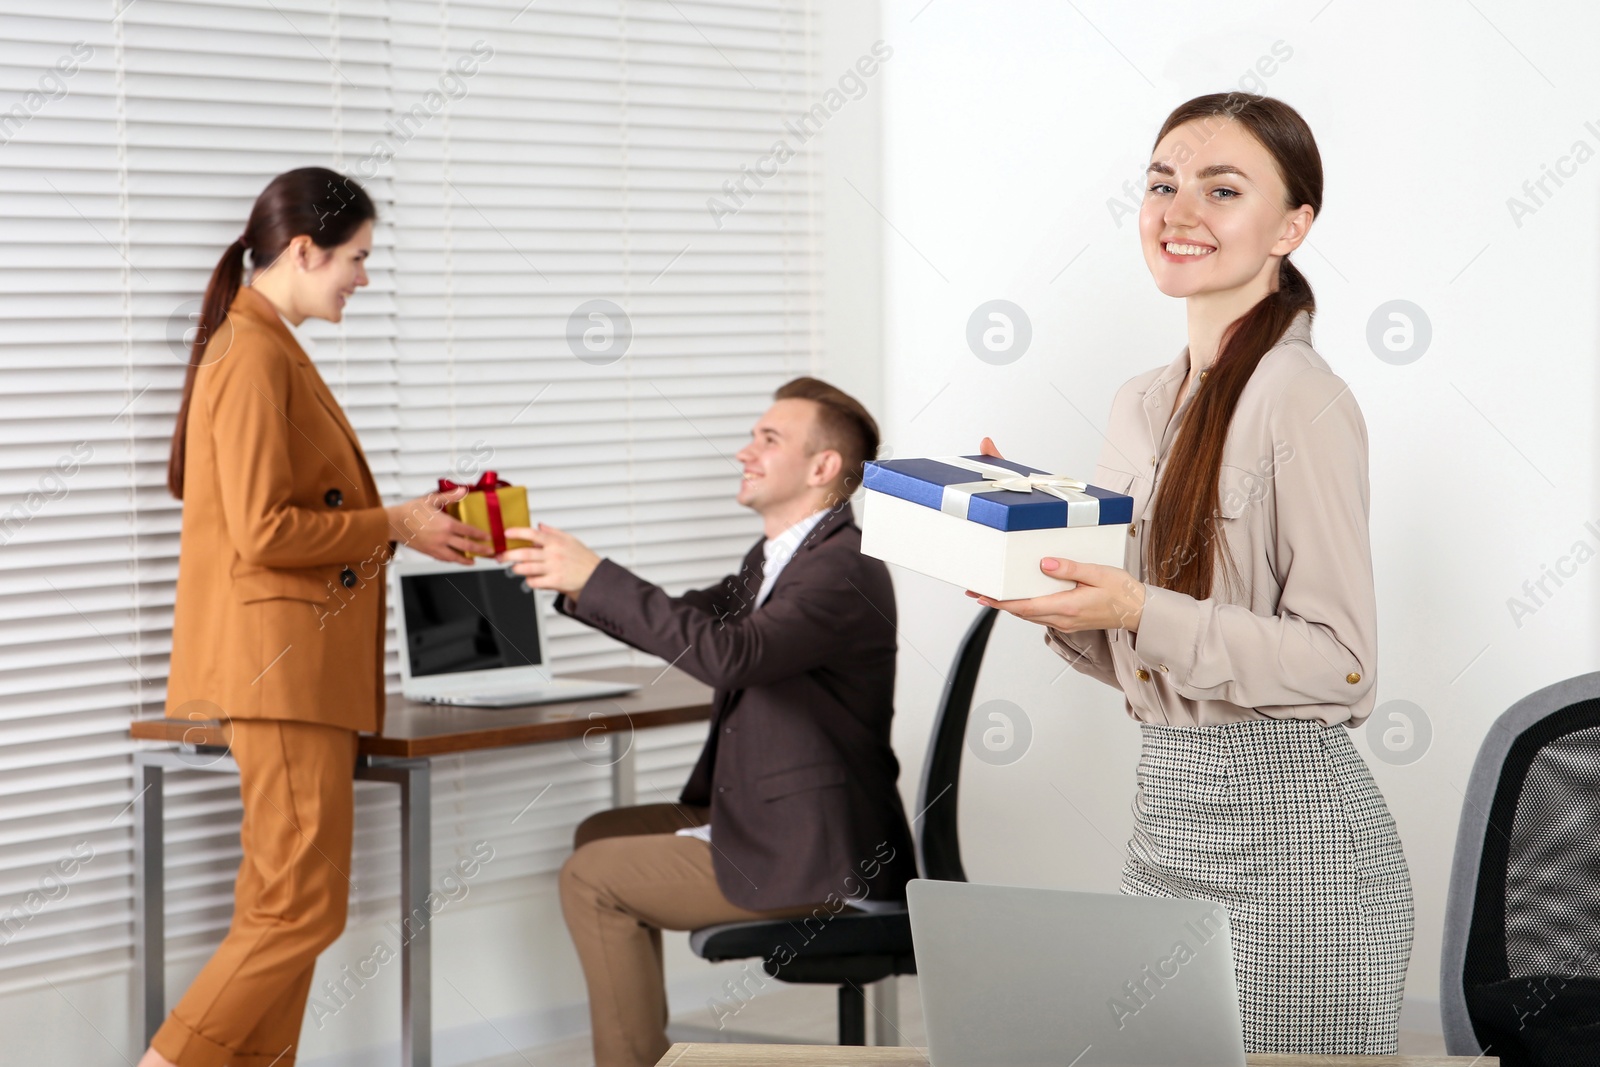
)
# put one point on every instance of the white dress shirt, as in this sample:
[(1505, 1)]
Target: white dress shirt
[(776, 553)]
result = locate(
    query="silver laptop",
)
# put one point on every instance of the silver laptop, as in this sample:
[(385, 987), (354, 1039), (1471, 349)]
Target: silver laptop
[(475, 636), (1026, 977)]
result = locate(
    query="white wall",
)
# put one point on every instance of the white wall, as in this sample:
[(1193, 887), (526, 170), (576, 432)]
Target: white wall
[(1009, 127)]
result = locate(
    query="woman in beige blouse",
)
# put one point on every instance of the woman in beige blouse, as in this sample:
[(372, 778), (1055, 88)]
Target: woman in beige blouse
[(1243, 632)]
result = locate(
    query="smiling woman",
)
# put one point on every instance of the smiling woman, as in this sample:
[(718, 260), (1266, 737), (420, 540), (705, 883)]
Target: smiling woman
[(280, 508), (1243, 630), (1226, 234)]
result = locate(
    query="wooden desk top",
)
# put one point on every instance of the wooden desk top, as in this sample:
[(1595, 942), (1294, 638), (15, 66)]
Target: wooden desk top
[(729, 1055), (665, 696)]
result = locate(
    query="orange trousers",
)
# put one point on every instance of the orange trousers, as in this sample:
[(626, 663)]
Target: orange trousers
[(244, 1009)]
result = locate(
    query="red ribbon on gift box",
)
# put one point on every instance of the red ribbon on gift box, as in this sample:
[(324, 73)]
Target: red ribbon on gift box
[(487, 484)]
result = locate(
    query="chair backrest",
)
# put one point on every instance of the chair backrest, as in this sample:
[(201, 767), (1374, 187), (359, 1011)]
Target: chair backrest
[(1520, 970), (938, 838)]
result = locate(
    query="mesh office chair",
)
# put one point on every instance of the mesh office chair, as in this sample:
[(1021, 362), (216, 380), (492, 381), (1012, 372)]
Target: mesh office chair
[(1520, 975), (852, 950)]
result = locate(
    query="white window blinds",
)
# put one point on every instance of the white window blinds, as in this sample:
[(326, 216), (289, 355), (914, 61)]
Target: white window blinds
[(551, 297), (575, 168)]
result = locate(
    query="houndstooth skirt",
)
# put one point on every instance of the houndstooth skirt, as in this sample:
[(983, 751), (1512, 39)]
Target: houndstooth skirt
[(1281, 823)]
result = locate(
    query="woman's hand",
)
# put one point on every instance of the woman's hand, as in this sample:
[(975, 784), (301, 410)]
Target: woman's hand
[(556, 561), (1107, 598), (424, 525)]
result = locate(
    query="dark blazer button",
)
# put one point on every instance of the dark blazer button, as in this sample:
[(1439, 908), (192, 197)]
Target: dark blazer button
[(348, 577), (333, 498)]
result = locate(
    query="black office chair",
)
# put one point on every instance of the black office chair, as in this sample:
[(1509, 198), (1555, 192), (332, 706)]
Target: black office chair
[(1520, 971), (851, 949)]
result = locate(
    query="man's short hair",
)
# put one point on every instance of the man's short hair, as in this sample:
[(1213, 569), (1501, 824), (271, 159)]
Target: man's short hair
[(842, 424)]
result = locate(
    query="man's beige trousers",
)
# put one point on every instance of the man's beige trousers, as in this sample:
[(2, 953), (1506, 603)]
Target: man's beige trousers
[(630, 877)]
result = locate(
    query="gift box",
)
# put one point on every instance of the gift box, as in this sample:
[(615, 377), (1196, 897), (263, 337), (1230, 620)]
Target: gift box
[(491, 506), (984, 523)]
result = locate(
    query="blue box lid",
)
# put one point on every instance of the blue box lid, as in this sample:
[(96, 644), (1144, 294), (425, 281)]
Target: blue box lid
[(944, 486)]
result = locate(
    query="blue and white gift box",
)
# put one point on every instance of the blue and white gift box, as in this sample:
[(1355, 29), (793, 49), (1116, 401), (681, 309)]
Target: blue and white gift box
[(984, 523)]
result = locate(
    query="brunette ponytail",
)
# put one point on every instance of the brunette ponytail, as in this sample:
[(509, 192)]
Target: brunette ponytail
[(319, 203), (1184, 543)]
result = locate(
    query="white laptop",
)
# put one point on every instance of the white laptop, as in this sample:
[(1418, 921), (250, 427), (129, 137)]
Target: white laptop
[(1027, 977), (475, 636)]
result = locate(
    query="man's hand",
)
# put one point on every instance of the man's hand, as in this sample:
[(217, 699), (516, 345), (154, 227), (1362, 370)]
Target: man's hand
[(556, 561), (423, 525), (1106, 598)]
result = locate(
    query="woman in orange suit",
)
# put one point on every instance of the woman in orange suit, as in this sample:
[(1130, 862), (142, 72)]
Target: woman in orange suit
[(279, 624)]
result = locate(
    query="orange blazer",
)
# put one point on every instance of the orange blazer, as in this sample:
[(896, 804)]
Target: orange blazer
[(280, 600)]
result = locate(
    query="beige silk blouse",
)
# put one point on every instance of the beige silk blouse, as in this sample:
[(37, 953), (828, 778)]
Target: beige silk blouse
[(1299, 640)]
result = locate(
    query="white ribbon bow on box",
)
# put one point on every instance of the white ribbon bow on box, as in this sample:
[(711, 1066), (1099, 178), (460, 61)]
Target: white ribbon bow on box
[(1082, 509)]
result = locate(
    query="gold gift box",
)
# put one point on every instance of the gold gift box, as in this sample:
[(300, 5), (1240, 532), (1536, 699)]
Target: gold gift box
[(473, 509)]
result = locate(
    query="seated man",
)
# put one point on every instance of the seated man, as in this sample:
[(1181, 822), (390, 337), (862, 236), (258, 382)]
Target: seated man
[(792, 808)]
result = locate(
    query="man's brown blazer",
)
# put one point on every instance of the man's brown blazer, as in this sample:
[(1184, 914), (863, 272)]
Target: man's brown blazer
[(797, 769)]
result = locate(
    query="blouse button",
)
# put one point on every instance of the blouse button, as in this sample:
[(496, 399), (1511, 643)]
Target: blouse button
[(1353, 677), (1133, 529), (1142, 674)]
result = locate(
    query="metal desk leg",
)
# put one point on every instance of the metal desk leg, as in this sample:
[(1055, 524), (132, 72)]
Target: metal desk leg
[(416, 951), (624, 774), (149, 895), (149, 870)]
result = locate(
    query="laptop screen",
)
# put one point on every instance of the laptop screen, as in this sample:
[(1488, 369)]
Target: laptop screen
[(477, 619)]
